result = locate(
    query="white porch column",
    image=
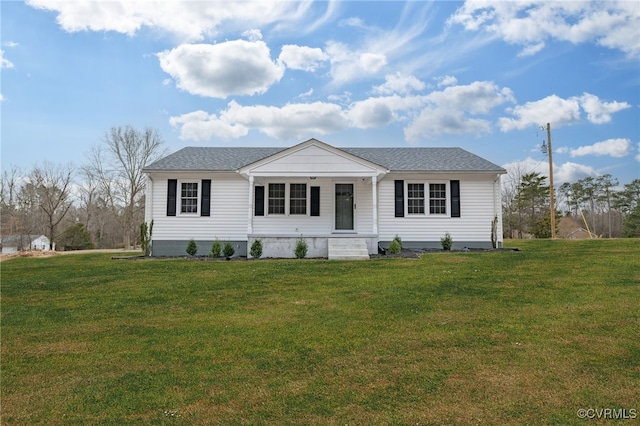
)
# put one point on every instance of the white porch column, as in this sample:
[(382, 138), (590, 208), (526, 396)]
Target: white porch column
[(250, 203), (374, 198)]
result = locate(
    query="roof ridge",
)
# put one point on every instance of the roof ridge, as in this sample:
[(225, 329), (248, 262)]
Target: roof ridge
[(399, 159)]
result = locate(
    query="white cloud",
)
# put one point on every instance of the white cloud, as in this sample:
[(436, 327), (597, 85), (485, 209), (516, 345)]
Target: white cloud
[(528, 165), (236, 67), (399, 83), (1, 98), (532, 49), (353, 22), (613, 24), (453, 110), (372, 62), (447, 80), (600, 112), (5, 63), (448, 111), (571, 172), (613, 147), (552, 109), (200, 126), (187, 20), (432, 122), (302, 57), (566, 172), (10, 43), (478, 97), (252, 35), (372, 112), (290, 121), (348, 64), (306, 94), (560, 112)]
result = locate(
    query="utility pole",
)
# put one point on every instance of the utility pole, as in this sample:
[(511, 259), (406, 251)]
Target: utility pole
[(551, 192)]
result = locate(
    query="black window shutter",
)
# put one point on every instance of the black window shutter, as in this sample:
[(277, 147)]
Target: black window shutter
[(259, 200), (205, 198), (171, 197), (455, 198), (315, 201), (399, 198)]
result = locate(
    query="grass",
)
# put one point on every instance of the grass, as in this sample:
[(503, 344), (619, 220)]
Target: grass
[(524, 337)]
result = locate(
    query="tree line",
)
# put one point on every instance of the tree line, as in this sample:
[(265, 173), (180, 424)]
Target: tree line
[(99, 204), (598, 204)]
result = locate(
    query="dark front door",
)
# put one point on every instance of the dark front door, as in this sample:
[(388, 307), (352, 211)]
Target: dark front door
[(344, 207)]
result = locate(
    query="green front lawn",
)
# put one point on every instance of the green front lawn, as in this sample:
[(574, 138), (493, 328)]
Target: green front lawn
[(527, 337)]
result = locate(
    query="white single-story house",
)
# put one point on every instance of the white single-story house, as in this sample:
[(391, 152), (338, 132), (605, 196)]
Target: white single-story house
[(16, 243), (344, 202)]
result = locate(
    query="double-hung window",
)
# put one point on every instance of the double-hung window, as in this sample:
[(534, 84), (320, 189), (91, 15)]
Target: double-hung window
[(415, 198), (298, 198), (276, 198), (437, 198), (189, 197), (290, 199)]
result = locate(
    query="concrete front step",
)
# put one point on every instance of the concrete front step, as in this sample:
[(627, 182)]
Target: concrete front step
[(348, 249)]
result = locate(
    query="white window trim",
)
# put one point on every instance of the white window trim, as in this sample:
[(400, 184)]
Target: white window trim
[(287, 199), (427, 213), (179, 211)]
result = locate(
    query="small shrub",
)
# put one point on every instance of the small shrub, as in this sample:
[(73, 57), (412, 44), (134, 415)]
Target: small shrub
[(494, 232), (192, 248), (301, 248), (146, 231), (228, 250), (216, 249), (256, 249), (396, 245), (446, 241)]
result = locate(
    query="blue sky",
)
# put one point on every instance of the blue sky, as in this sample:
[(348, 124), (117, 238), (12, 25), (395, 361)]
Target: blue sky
[(481, 76)]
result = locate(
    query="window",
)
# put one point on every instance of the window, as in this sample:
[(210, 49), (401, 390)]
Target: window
[(276, 198), (415, 198), (189, 197), (437, 198), (298, 198)]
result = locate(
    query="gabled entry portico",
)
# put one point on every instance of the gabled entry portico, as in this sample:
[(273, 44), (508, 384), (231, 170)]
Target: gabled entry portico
[(313, 191)]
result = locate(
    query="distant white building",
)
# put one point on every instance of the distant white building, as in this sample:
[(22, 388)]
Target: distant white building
[(15, 243)]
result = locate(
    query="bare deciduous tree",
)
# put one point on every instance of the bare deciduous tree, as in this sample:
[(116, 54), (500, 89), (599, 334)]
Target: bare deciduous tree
[(52, 188), (118, 166), (9, 188)]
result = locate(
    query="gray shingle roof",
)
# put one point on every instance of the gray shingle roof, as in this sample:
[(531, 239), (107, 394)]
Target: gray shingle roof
[(425, 159), (394, 159)]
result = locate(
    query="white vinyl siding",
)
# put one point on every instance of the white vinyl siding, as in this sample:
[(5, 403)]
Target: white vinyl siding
[(305, 224), (228, 220), (230, 209), (476, 207)]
